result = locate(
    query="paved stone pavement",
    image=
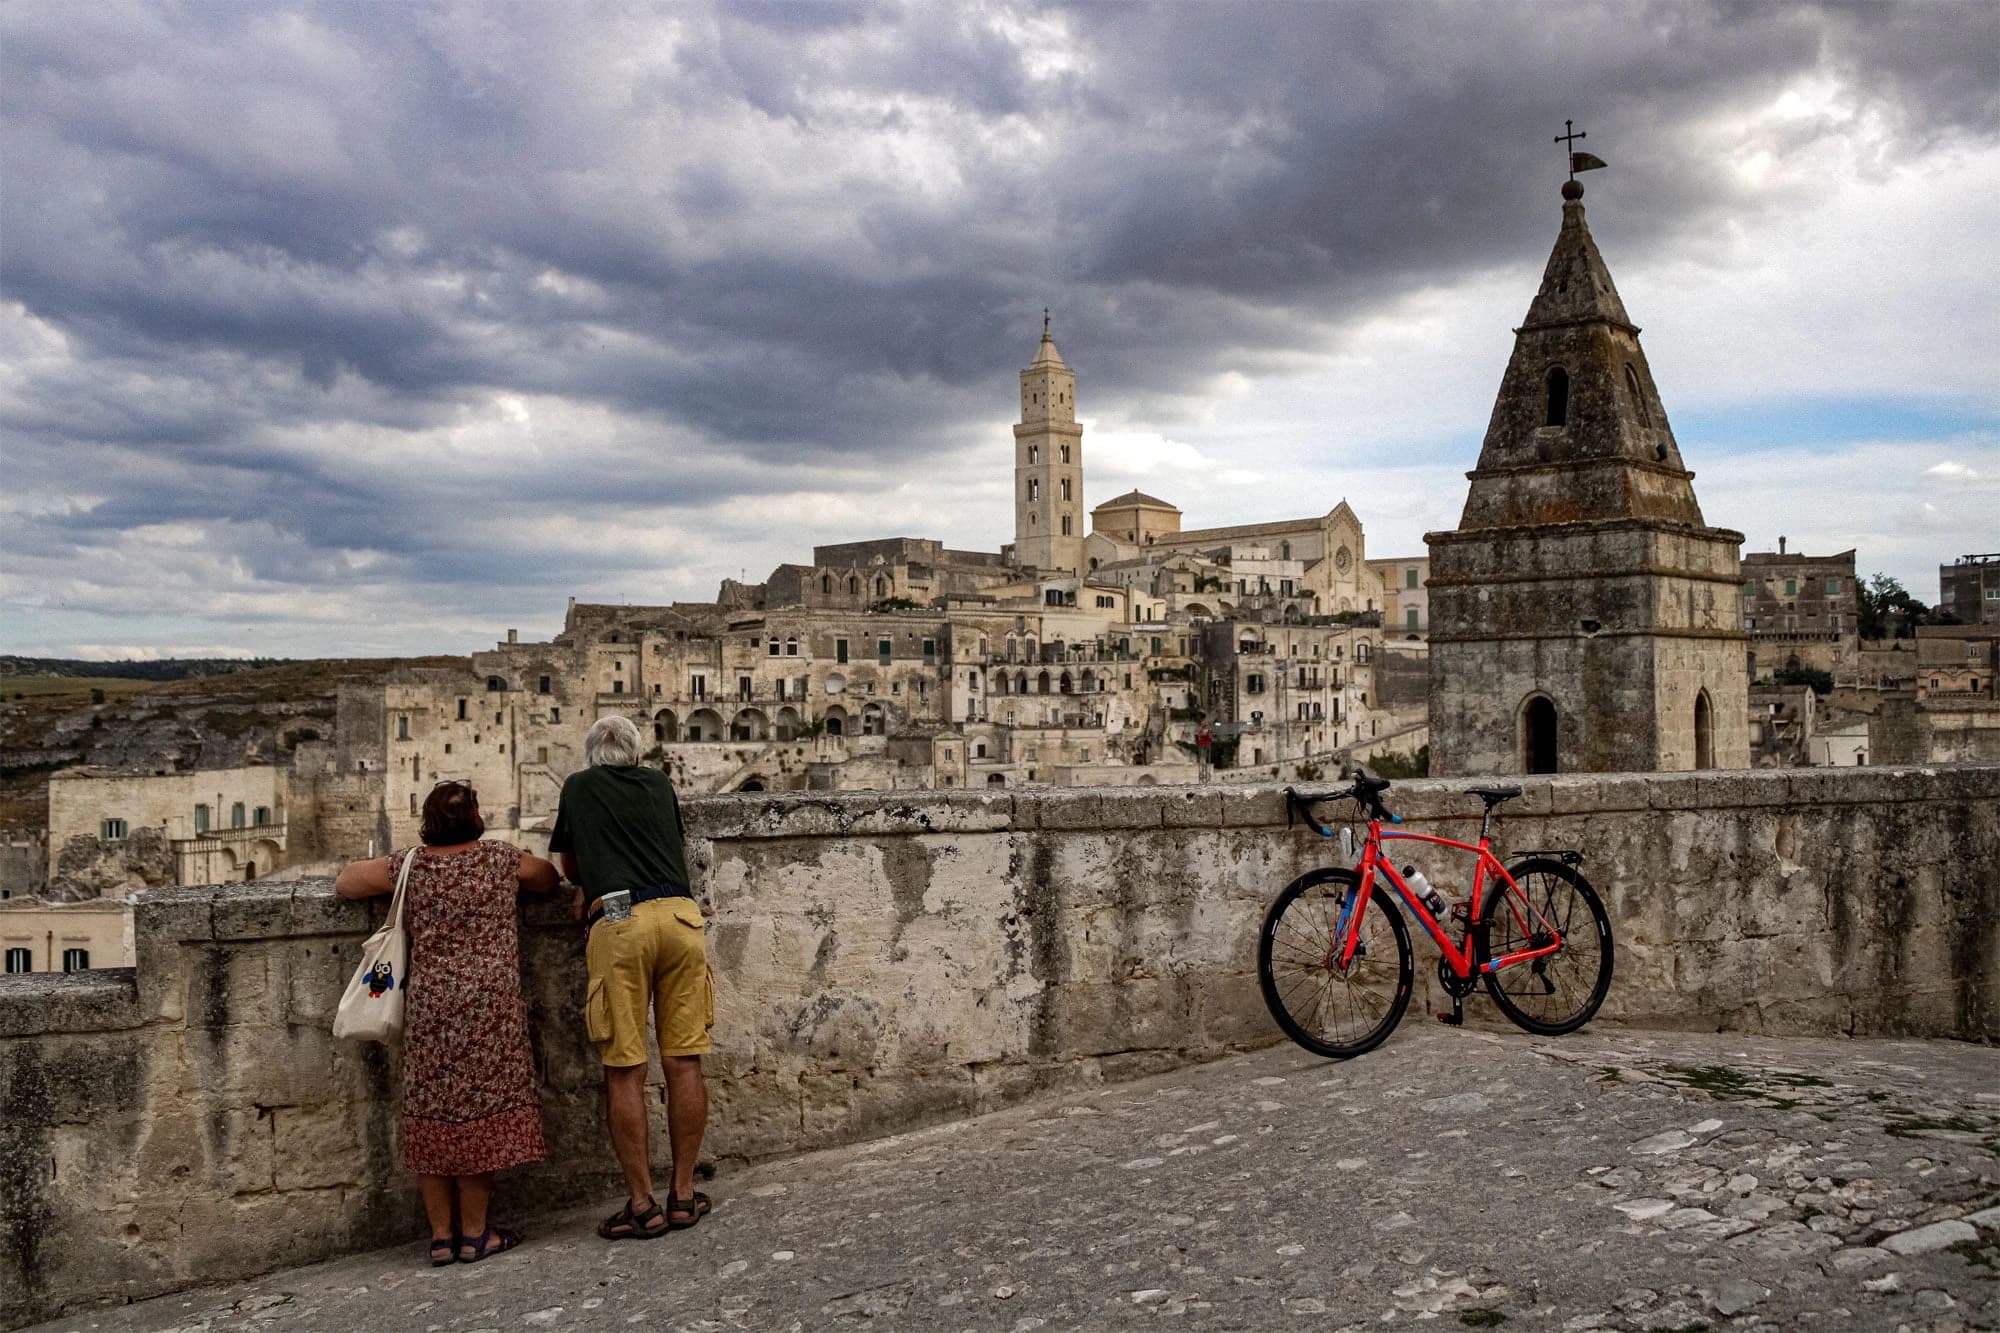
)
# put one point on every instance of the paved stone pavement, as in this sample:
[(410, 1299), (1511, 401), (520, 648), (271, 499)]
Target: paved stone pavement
[(1615, 1179)]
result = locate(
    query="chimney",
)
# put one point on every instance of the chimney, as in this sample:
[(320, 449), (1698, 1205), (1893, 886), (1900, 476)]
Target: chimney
[(1781, 546), (513, 636)]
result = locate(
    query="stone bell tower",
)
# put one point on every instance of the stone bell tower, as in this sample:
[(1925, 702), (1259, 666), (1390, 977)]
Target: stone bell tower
[(1048, 465), (1583, 616)]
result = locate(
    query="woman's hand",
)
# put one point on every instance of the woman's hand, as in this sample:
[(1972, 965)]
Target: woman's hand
[(364, 879)]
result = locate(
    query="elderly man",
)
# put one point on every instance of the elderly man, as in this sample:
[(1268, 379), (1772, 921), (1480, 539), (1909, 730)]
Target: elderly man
[(618, 837)]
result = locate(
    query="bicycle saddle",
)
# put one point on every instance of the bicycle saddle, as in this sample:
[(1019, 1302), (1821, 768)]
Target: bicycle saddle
[(1493, 795)]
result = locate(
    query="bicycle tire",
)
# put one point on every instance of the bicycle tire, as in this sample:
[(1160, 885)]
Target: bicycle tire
[(1288, 959), (1579, 976)]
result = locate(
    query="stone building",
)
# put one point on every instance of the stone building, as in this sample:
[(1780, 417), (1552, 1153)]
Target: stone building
[(1583, 615), (1406, 603), (1801, 612), (1969, 589)]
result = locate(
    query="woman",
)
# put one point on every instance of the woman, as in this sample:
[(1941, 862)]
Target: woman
[(469, 1102)]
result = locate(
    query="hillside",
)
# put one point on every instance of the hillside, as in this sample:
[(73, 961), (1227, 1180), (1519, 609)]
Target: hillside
[(239, 713), (168, 668)]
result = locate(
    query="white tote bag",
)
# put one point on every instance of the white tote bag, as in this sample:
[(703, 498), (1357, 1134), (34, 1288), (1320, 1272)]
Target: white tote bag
[(372, 1007)]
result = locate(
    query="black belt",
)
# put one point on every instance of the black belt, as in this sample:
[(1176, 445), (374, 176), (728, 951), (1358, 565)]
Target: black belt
[(645, 893)]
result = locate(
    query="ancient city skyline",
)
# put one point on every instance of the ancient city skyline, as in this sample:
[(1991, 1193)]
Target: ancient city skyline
[(342, 330)]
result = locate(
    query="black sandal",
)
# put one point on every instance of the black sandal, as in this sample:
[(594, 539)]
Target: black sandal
[(449, 1247), (693, 1208), (496, 1240), (646, 1224)]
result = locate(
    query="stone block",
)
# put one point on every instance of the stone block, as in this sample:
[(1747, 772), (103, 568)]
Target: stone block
[(252, 911), (65, 1078), (1125, 808), (173, 915), (1080, 809), (1581, 795), (317, 1146), (1190, 807), (1253, 807), (99, 1000), (316, 910)]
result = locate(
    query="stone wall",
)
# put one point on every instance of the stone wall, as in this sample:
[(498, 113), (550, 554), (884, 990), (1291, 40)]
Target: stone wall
[(890, 960)]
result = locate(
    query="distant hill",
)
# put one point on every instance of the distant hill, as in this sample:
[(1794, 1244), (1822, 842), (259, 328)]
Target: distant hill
[(165, 668)]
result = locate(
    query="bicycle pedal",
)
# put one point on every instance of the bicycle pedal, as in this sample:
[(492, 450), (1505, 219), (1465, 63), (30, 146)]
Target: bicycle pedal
[(1453, 1020)]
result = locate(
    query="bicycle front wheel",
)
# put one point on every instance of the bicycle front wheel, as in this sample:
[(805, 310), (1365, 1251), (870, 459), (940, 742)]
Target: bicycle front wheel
[(1330, 1009), (1558, 992)]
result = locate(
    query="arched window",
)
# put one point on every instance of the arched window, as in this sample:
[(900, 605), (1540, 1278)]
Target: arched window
[(1538, 735), (1065, 453), (1704, 740), (1638, 396), (1065, 488), (1034, 453), (881, 586), (1065, 525), (853, 585), (1042, 683), (826, 583), (1034, 488), (1558, 397)]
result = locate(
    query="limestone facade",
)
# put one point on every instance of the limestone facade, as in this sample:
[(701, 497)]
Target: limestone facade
[(1583, 616), (1406, 603), (1801, 612), (1969, 588)]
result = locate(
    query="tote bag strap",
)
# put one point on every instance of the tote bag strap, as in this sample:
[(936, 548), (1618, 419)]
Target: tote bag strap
[(402, 887)]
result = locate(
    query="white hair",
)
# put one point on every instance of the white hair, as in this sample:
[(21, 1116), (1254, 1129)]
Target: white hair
[(613, 741)]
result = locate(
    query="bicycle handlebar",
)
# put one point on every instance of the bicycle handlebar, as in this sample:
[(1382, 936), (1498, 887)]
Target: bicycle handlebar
[(1366, 789)]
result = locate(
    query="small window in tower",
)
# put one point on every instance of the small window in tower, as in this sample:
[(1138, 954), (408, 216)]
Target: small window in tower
[(1034, 454), (1065, 525), (1638, 397), (1558, 414), (1034, 488), (1065, 450), (1065, 488)]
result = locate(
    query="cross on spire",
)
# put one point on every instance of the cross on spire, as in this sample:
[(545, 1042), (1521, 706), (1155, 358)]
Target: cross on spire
[(1568, 139), (1045, 321)]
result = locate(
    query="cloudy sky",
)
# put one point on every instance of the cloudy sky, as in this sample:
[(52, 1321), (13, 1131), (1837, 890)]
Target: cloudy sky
[(380, 327)]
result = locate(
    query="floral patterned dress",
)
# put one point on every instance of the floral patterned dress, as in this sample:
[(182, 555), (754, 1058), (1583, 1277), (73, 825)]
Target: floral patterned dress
[(469, 1101)]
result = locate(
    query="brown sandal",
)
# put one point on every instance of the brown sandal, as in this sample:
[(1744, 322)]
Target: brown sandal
[(625, 1224), (684, 1213)]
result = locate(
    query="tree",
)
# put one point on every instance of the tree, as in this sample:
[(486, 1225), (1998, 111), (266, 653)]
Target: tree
[(1888, 611)]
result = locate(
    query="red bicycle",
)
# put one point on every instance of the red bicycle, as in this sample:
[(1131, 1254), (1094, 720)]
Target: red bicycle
[(1334, 957)]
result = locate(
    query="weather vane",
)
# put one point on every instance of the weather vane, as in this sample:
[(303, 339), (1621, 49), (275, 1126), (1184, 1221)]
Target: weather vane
[(1577, 161)]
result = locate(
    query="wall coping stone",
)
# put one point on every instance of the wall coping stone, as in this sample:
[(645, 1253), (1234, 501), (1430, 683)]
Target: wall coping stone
[(103, 999)]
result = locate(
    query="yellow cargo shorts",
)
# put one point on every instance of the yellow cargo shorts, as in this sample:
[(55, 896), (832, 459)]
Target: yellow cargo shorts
[(654, 959)]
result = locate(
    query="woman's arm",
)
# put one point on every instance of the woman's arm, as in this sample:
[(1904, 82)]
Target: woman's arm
[(364, 879), (537, 875)]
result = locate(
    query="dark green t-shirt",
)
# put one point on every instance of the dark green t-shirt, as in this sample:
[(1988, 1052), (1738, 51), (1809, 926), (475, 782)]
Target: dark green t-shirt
[(623, 824)]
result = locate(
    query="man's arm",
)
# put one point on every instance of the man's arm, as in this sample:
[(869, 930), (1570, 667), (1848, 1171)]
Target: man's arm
[(574, 874)]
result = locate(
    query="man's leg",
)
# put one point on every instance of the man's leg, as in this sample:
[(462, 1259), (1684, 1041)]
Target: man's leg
[(625, 1092), (687, 1117)]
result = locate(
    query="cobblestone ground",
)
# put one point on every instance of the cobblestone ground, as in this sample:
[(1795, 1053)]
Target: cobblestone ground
[(1481, 1178)]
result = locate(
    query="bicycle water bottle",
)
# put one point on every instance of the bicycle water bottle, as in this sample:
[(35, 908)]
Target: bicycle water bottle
[(1421, 888)]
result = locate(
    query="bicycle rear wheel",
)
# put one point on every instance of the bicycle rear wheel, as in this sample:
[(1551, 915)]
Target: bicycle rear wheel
[(1558, 992), (1335, 1011)]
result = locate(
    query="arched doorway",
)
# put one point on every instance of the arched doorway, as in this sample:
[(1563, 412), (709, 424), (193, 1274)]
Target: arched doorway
[(834, 720), (666, 727), (1704, 739), (750, 724), (874, 721), (1538, 735), (751, 784), (704, 724), (788, 723)]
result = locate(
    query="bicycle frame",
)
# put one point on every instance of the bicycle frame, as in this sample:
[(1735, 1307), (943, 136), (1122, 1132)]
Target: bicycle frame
[(1460, 960)]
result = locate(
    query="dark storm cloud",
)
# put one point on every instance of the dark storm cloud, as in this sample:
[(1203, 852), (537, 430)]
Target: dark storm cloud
[(768, 240)]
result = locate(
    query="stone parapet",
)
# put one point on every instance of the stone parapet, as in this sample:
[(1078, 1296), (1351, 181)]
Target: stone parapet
[(885, 960)]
